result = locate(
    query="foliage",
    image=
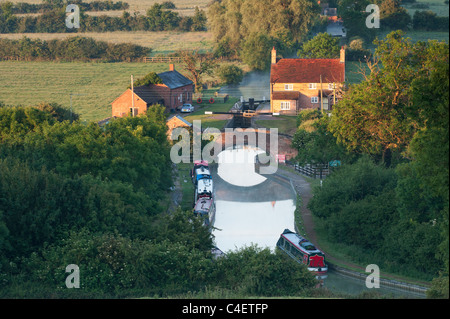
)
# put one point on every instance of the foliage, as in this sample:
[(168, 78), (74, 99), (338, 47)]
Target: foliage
[(356, 50), (71, 49), (372, 117), (393, 16), (24, 7), (315, 144), (156, 19), (354, 15), (368, 206), (261, 24), (429, 21), (322, 46), (150, 78), (255, 51), (197, 65), (395, 216), (230, 74), (256, 271), (89, 195)]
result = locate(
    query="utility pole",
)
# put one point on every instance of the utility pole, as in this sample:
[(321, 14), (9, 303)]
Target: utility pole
[(132, 96), (334, 94), (321, 95)]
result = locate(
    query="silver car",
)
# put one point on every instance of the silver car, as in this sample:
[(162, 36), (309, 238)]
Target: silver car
[(187, 108)]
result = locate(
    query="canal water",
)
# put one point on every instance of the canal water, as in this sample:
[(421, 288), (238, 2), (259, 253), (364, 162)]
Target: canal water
[(252, 209)]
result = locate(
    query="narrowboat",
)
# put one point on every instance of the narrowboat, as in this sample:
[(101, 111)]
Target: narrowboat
[(304, 252)]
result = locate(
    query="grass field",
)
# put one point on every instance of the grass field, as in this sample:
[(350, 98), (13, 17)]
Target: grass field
[(94, 86), (28, 83), (162, 42)]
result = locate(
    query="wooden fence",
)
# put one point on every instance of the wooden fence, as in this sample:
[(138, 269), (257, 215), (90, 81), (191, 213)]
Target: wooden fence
[(162, 59), (314, 171)]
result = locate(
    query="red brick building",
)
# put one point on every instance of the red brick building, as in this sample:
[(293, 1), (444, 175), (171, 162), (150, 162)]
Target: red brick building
[(297, 84), (173, 93)]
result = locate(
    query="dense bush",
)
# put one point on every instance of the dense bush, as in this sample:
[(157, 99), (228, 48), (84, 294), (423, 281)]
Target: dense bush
[(156, 19), (71, 49), (81, 194), (24, 7), (429, 21), (385, 213), (230, 74)]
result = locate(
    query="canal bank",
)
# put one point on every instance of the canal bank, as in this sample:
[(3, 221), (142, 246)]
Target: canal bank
[(354, 274)]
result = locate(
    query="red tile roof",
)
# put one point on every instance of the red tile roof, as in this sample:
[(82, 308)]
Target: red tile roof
[(285, 95), (307, 71)]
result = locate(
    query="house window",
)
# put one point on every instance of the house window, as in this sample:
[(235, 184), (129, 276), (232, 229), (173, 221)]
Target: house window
[(312, 86), (331, 86), (288, 87), (315, 99), (285, 106)]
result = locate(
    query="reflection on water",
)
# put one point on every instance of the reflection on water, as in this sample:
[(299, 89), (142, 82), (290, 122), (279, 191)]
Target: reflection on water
[(348, 285), (248, 209), (259, 214)]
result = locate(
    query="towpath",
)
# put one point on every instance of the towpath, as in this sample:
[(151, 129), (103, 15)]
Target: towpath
[(303, 189)]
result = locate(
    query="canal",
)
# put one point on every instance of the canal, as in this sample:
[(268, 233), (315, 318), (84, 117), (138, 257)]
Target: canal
[(252, 209)]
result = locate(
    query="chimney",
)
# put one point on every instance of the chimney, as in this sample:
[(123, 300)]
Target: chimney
[(274, 56), (172, 67), (342, 58)]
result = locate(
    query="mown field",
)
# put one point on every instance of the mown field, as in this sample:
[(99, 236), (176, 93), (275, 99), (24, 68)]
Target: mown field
[(29, 83)]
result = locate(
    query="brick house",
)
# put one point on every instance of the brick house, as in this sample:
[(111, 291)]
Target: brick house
[(297, 84), (173, 93), (174, 122)]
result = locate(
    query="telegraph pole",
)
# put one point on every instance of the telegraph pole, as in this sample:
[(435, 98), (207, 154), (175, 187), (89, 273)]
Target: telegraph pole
[(132, 96), (321, 95)]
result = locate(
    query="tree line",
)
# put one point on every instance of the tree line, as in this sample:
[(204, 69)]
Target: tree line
[(388, 203), (97, 196), (70, 49), (393, 16), (249, 29), (53, 21), (46, 5)]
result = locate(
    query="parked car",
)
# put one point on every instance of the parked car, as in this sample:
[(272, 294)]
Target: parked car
[(187, 108)]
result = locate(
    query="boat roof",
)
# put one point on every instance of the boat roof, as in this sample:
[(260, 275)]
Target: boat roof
[(204, 185), (197, 163), (203, 204), (202, 170), (300, 242)]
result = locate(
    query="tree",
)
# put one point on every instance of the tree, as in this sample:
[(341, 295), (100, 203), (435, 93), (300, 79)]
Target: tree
[(197, 64), (230, 74), (150, 78), (372, 117), (255, 51), (199, 20), (160, 19), (322, 46), (354, 16), (243, 23)]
